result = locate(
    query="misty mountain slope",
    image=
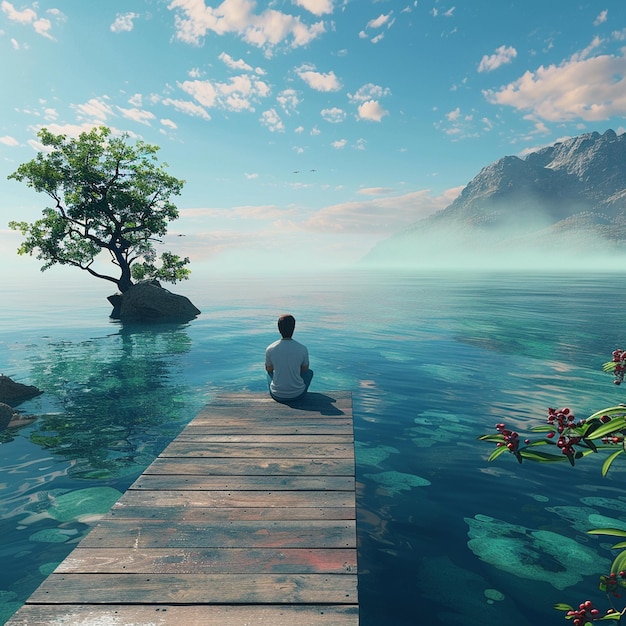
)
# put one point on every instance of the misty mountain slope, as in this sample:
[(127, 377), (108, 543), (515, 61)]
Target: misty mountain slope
[(571, 195)]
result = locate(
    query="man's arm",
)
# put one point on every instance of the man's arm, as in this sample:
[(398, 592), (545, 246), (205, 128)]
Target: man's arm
[(269, 369), (304, 368)]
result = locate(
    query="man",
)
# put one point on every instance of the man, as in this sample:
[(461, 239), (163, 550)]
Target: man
[(287, 364)]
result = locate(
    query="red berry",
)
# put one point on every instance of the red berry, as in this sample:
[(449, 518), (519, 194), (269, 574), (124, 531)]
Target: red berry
[(550, 435)]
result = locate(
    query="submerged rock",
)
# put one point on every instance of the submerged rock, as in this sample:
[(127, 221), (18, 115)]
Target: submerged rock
[(11, 419), (13, 393), (6, 415), (147, 301)]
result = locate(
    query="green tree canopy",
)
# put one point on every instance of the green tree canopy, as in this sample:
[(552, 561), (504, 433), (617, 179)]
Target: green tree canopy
[(108, 196)]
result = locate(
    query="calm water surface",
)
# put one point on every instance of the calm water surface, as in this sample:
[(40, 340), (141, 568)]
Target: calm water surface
[(433, 361)]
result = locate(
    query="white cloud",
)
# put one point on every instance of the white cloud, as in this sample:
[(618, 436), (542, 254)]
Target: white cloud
[(317, 7), (380, 215), (380, 21), (238, 94), (318, 80), (136, 100), (339, 144), (368, 92), (240, 65), (124, 22), (589, 89), (601, 18), (137, 115), (193, 20), (27, 16), (202, 90), (9, 141), (288, 100), (371, 110), (334, 115), (272, 120), (70, 130), (502, 56), (41, 25), (376, 191), (187, 107), (96, 110), (169, 123), (50, 114)]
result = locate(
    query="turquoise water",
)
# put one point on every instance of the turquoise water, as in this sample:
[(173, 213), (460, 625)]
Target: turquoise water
[(433, 361)]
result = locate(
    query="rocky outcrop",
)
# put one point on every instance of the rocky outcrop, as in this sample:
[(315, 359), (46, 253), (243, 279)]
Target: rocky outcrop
[(570, 194), (148, 302), (13, 393)]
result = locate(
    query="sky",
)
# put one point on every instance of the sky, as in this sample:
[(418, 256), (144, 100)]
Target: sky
[(306, 130)]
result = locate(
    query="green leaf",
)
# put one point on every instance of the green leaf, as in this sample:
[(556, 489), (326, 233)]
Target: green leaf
[(615, 425), (614, 532), (609, 366), (619, 546), (560, 606), (610, 616), (543, 428), (612, 410), (494, 437), (609, 460), (619, 564), (541, 457), (497, 452)]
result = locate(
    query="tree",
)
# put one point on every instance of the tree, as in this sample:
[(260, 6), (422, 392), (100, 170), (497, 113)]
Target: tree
[(108, 196)]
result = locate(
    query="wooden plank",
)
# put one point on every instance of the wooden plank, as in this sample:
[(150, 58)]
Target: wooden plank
[(278, 439), (233, 534), (198, 615), (209, 560), (241, 425), (247, 517), (259, 450), (223, 514), (235, 499), (197, 588), (177, 482), (251, 467)]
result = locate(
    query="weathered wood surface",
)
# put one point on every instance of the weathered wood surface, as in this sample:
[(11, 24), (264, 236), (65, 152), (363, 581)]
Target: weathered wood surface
[(247, 517)]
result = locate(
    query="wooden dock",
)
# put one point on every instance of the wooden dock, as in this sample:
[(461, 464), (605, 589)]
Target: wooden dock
[(247, 517)]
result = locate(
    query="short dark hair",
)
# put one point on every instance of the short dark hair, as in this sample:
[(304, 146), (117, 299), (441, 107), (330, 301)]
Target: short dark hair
[(286, 325)]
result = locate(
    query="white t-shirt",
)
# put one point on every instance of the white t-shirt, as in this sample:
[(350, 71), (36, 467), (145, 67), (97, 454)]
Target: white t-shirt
[(286, 356)]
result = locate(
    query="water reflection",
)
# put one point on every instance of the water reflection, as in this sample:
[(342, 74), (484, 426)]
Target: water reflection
[(115, 394)]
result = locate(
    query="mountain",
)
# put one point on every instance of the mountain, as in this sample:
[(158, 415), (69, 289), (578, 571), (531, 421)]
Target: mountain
[(559, 205)]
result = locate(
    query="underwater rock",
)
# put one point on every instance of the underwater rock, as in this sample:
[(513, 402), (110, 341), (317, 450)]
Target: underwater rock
[(395, 482), (468, 603), (6, 415), (147, 301), (53, 535), (84, 505), (586, 518), (13, 393), (533, 554), (368, 455), (11, 419)]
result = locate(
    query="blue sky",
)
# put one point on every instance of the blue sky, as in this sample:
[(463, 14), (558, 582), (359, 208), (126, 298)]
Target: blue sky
[(306, 130)]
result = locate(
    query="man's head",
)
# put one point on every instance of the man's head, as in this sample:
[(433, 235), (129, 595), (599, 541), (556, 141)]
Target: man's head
[(286, 324)]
